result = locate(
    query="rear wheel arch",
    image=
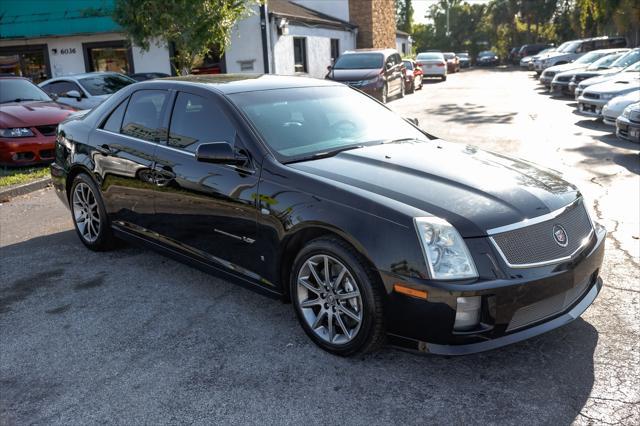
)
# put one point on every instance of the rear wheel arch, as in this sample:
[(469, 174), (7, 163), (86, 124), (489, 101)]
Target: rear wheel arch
[(74, 171), (293, 244)]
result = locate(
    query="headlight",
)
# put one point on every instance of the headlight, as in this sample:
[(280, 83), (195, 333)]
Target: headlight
[(607, 96), (17, 132), (627, 112), (445, 252)]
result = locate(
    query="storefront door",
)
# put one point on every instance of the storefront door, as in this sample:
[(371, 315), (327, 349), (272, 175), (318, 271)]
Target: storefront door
[(108, 56)]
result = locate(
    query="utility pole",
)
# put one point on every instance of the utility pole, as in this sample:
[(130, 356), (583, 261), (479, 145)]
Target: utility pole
[(448, 33)]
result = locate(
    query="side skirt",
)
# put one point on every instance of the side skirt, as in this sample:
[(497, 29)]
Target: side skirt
[(254, 284)]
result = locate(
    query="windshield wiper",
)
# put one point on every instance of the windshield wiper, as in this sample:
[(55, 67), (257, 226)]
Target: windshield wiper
[(18, 100), (325, 154)]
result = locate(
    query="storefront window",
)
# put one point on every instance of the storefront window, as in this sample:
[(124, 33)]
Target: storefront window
[(25, 61), (110, 56)]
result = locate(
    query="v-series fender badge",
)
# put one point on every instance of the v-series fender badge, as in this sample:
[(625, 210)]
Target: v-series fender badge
[(237, 237)]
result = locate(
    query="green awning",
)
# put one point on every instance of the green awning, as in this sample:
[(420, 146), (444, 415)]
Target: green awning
[(45, 18)]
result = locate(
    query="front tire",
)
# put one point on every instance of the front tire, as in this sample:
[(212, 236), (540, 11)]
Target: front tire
[(444, 78), (337, 298), (89, 214)]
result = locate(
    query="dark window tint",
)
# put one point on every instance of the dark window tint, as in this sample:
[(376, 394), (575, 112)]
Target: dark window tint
[(143, 116), (335, 49), (355, 61), (105, 84), (408, 65), (114, 121), (61, 88), (197, 120), (300, 54)]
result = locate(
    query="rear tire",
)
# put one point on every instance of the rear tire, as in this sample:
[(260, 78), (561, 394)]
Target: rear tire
[(89, 214), (444, 78), (402, 90), (324, 274)]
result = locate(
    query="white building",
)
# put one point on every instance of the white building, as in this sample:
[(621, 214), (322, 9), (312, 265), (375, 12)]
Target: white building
[(55, 38), (404, 43)]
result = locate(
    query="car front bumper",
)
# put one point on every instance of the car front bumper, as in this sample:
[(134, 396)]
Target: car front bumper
[(591, 107), (427, 325), (560, 88), (628, 130), (27, 151)]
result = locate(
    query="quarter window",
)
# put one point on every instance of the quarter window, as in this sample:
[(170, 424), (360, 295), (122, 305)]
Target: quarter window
[(300, 54), (143, 117), (195, 120), (114, 121)]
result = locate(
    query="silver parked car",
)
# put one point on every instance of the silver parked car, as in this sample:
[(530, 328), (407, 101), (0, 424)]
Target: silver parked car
[(578, 48), (628, 123), (562, 80), (582, 62), (618, 65), (595, 97), (84, 91), (528, 61), (613, 109), (629, 71)]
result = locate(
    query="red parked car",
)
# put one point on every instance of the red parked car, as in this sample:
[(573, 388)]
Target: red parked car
[(453, 62), (412, 75), (28, 122)]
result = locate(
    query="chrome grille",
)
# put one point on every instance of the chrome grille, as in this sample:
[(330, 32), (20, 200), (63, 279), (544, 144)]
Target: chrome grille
[(591, 95), (535, 244), (564, 78), (549, 74)]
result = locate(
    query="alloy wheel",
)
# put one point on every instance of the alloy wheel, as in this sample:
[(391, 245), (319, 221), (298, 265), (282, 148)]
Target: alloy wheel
[(329, 299), (86, 213)]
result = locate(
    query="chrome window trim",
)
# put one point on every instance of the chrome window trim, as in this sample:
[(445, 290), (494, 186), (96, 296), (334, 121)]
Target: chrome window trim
[(148, 142), (534, 220)]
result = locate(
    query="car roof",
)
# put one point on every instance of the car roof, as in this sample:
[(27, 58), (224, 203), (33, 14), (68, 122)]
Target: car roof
[(237, 83), (81, 75)]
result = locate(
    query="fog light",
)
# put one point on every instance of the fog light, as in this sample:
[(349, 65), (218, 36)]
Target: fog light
[(467, 313)]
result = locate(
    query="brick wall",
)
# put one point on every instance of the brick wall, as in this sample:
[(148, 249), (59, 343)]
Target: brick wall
[(376, 22)]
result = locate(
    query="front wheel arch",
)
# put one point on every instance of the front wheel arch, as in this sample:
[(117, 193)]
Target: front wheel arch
[(74, 171), (292, 245)]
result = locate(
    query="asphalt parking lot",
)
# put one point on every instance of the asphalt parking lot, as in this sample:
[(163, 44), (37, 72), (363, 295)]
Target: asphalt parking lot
[(133, 337)]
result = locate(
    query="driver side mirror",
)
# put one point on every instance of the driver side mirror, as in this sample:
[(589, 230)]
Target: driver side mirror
[(219, 153), (74, 94), (413, 121)]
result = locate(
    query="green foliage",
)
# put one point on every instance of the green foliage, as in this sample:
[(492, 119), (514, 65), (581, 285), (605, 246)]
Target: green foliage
[(502, 24), (193, 26), (404, 15)]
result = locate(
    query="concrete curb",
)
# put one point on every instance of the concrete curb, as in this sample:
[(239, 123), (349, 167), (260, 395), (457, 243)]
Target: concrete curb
[(23, 188)]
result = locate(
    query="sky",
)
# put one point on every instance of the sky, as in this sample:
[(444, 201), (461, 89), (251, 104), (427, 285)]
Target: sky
[(420, 8)]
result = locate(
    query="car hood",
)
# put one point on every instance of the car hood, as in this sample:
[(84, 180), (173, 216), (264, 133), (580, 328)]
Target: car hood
[(36, 113), (622, 84), (615, 106), (472, 189), (353, 75), (571, 66)]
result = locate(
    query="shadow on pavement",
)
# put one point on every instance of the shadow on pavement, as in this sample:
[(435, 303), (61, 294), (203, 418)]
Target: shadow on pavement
[(471, 114), (598, 154), (95, 336)]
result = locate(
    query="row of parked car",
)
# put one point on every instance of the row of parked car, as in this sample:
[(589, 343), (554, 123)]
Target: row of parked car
[(601, 74)]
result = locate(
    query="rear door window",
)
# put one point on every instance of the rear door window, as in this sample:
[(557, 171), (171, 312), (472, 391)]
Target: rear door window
[(114, 122), (61, 88), (144, 115), (196, 120)]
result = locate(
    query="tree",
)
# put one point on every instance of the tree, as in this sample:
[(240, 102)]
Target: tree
[(194, 27), (404, 15)]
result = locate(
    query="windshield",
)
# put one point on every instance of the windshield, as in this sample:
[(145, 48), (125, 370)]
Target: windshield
[(604, 62), (627, 59), (564, 46), (105, 84), (590, 57), (359, 61), (571, 47), (18, 90), (408, 65), (462, 55), (430, 55), (632, 68), (486, 53), (449, 55), (298, 123)]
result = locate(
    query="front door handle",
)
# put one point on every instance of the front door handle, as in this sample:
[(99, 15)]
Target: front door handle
[(105, 149)]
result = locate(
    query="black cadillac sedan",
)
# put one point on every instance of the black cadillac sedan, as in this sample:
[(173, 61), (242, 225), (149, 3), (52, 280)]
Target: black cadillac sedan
[(312, 192)]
